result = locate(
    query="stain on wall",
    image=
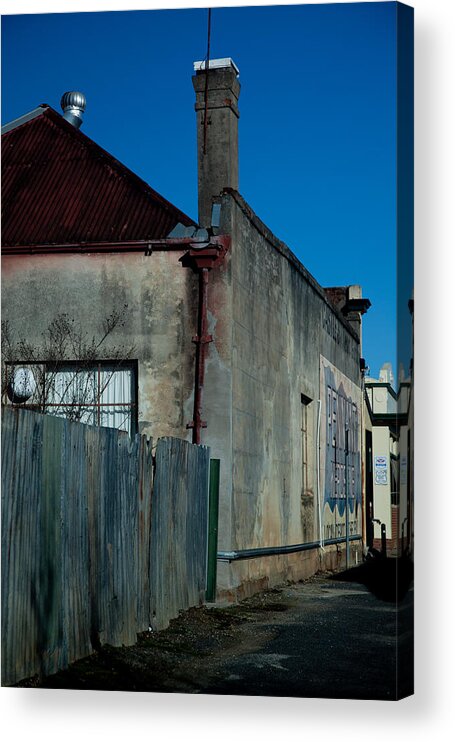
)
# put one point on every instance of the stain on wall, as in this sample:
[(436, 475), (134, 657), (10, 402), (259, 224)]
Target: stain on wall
[(281, 325), (160, 318)]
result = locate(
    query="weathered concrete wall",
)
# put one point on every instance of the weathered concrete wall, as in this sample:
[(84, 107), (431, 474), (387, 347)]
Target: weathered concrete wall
[(272, 327), (282, 325), (160, 319), (252, 575), (160, 322), (217, 393)]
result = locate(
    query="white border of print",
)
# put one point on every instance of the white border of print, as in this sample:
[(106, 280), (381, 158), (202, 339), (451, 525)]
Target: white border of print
[(47, 715)]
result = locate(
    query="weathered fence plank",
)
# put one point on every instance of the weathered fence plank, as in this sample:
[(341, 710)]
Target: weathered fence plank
[(75, 552), (178, 555), (143, 606), (89, 555)]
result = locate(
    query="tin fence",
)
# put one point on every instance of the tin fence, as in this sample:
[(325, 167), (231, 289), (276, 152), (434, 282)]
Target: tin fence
[(96, 547)]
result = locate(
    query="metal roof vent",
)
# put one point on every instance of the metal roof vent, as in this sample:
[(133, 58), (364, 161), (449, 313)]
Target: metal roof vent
[(73, 106)]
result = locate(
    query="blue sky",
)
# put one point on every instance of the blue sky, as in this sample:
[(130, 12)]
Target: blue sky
[(317, 134)]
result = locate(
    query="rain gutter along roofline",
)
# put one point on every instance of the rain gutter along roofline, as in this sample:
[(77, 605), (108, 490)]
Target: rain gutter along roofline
[(144, 246), (24, 118)]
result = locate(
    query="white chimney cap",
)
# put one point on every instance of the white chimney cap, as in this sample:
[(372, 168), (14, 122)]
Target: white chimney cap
[(215, 64)]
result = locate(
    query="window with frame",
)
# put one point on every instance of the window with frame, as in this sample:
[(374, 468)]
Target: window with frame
[(102, 393), (305, 402)]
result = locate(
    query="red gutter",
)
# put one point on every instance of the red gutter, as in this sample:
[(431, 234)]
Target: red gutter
[(203, 260), (202, 339), (144, 246)]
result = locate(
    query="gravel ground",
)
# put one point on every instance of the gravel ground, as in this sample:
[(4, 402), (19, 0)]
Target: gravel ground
[(326, 637)]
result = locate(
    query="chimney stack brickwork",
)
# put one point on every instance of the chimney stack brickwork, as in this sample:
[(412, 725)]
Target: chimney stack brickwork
[(218, 167)]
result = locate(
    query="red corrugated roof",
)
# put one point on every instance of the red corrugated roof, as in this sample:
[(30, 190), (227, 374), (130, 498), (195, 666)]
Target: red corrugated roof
[(59, 187)]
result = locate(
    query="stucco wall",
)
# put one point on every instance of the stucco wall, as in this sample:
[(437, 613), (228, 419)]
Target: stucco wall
[(282, 325), (159, 321), (217, 392), (271, 325)]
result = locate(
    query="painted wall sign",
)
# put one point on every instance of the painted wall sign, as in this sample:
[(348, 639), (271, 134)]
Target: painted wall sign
[(380, 469), (340, 412)]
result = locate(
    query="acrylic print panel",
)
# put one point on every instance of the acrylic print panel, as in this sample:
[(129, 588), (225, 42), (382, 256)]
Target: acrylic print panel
[(227, 214)]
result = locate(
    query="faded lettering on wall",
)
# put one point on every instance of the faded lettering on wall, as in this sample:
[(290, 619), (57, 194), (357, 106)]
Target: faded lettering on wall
[(340, 451)]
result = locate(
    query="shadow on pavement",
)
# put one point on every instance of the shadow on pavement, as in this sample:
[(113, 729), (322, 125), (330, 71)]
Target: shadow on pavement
[(387, 578)]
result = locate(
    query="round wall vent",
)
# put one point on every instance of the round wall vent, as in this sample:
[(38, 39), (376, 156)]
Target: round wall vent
[(22, 386)]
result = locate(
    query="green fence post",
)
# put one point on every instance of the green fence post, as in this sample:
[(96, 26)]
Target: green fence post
[(212, 540)]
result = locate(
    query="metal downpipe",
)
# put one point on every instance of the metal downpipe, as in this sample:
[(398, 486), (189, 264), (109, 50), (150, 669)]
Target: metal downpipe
[(201, 340)]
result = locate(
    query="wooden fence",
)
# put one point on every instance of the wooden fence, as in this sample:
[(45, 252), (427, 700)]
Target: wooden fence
[(95, 549)]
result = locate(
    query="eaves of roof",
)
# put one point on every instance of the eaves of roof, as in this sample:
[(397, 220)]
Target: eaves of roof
[(23, 119), (384, 384), (393, 420)]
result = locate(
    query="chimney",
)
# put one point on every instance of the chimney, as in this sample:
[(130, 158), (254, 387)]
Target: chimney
[(349, 301), (73, 106), (217, 131)]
